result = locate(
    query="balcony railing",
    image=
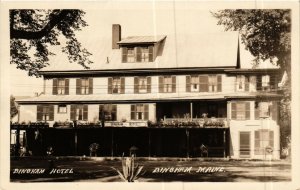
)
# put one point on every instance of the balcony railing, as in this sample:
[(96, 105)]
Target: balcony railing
[(126, 124), (196, 122)]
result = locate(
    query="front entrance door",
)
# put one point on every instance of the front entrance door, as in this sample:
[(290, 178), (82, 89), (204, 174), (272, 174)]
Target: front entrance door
[(244, 144)]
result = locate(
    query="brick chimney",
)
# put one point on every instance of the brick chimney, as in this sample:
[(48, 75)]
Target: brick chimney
[(116, 35)]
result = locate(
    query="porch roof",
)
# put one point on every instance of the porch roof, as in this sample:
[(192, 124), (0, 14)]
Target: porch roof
[(159, 97)]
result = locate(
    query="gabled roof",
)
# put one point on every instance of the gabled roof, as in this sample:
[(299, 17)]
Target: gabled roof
[(142, 39)]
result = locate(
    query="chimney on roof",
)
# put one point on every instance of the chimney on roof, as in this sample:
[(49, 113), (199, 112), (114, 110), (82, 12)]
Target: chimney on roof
[(116, 35)]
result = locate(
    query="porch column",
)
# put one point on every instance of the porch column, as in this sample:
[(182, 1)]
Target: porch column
[(112, 143), (76, 141), (224, 143), (17, 141), (187, 132), (149, 143), (191, 109)]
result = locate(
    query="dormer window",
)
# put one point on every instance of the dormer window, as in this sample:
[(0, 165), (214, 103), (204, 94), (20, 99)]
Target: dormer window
[(133, 54)]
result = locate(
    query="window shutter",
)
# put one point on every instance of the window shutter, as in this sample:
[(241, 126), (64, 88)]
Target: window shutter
[(66, 86), (78, 86), (146, 112), (138, 54), (133, 110), (122, 85), (271, 139), (257, 110), (173, 84), (109, 85), (259, 82), (55, 84), (91, 87), (51, 112), (233, 110), (252, 81), (219, 83), (273, 82), (203, 80), (151, 57), (161, 84), (136, 85), (73, 112), (124, 54), (246, 83), (148, 84), (85, 112), (39, 113), (188, 83), (257, 141), (247, 110)]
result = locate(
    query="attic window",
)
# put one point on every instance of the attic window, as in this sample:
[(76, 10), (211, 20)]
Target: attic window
[(132, 54)]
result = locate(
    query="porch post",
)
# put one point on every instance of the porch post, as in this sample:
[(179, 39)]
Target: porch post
[(224, 143), (75, 139), (112, 142), (191, 109), (187, 132), (149, 143)]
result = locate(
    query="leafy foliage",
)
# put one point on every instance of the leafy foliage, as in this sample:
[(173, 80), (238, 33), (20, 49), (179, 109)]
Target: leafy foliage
[(32, 32), (266, 33), (13, 107)]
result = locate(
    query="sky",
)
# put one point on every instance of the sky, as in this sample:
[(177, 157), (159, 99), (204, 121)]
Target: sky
[(136, 19)]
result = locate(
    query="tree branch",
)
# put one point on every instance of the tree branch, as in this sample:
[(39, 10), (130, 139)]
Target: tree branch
[(28, 35)]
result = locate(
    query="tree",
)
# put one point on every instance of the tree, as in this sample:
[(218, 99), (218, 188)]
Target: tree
[(33, 31), (266, 33), (13, 107)]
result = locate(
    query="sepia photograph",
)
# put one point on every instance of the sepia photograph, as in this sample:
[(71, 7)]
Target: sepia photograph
[(158, 91)]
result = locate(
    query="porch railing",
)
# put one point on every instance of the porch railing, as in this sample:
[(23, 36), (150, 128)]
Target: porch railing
[(126, 124), (196, 122)]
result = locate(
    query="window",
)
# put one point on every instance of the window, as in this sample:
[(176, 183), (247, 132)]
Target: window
[(45, 112), (266, 82), (62, 109), (240, 110), (137, 54), (167, 84), (142, 84), (204, 83), (262, 109), (263, 138), (244, 144), (242, 83), (84, 86), (139, 112), (116, 85), (60, 87), (79, 112), (108, 112)]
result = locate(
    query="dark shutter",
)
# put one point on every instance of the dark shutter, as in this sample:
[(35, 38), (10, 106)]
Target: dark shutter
[(133, 111), (151, 57), (203, 83), (257, 110), (219, 83), (51, 112), (73, 112), (138, 54), (66, 86), (259, 82), (55, 84), (161, 84), (173, 84), (257, 142), (122, 85), (78, 86), (124, 54), (85, 112), (146, 112), (273, 82), (271, 139), (233, 110), (39, 113), (188, 83), (90, 85), (109, 85), (247, 111), (148, 84), (114, 110), (246, 83), (136, 85)]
